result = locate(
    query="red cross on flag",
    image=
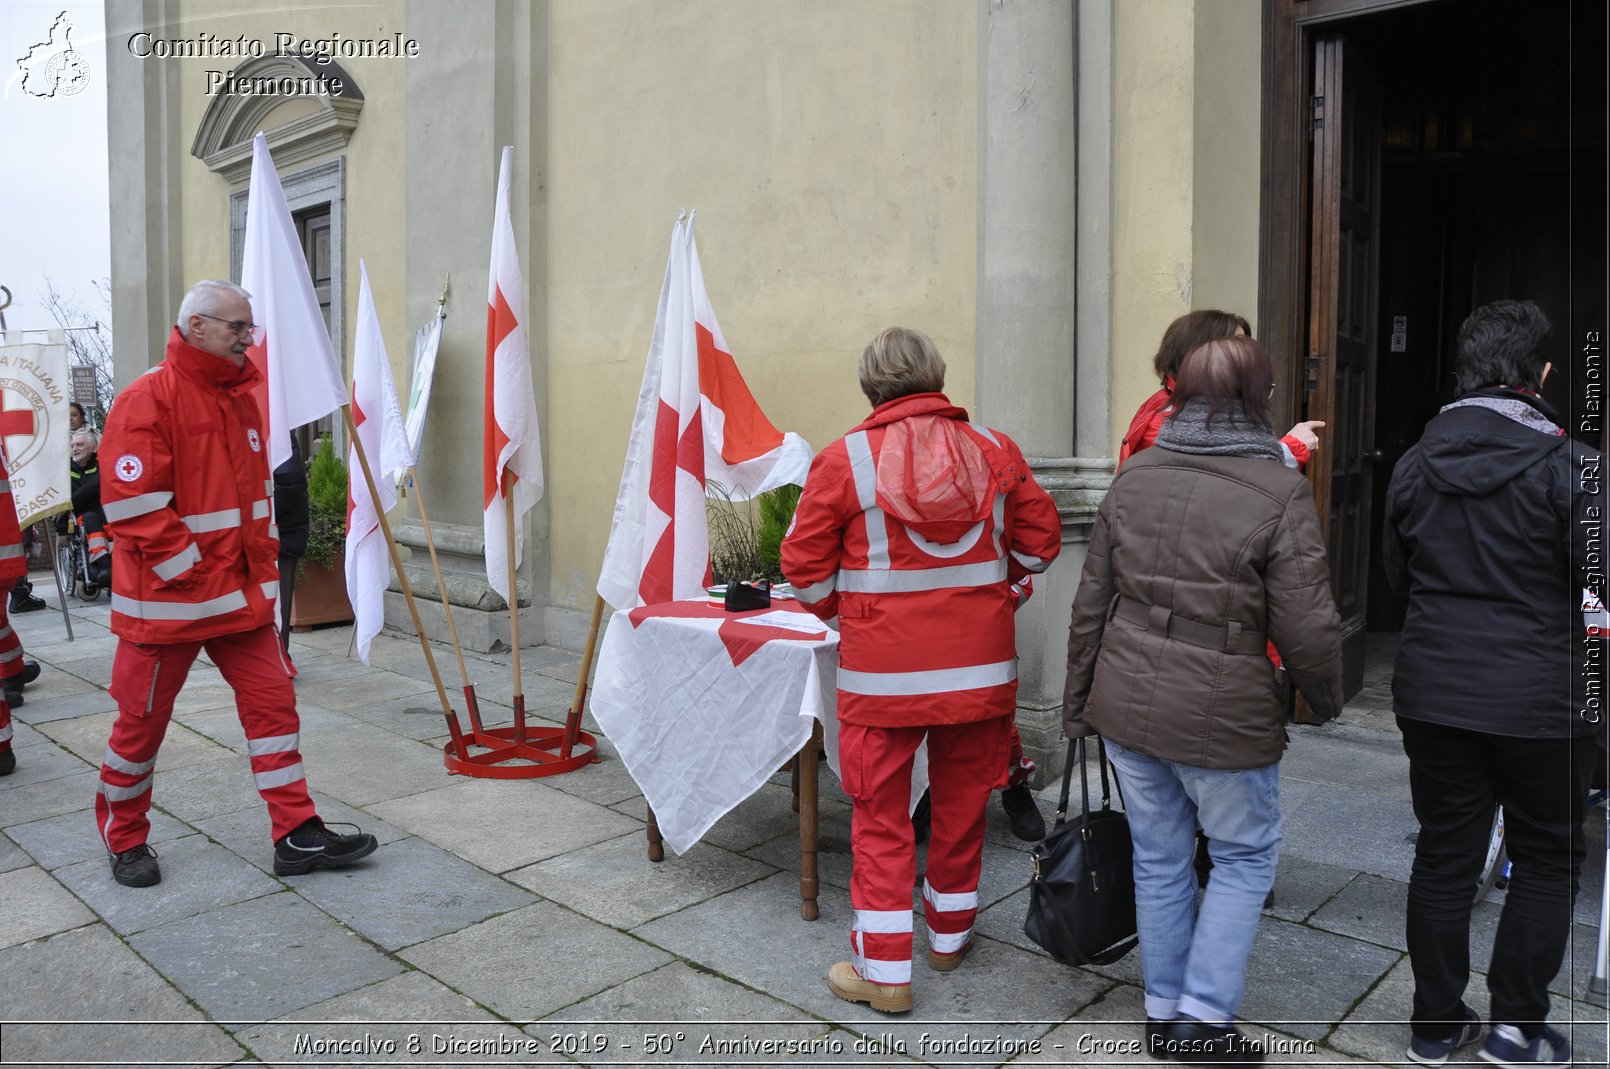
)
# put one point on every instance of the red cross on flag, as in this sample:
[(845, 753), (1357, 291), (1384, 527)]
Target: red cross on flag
[(512, 444), (34, 391), (697, 429)]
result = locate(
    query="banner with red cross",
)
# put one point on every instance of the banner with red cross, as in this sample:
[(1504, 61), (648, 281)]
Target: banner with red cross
[(34, 391)]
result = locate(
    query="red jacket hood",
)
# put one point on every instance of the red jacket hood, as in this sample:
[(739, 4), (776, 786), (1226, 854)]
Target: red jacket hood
[(933, 472), (209, 369)]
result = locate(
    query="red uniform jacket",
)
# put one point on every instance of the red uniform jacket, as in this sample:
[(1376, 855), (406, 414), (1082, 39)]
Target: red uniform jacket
[(910, 531), (13, 561), (189, 500)]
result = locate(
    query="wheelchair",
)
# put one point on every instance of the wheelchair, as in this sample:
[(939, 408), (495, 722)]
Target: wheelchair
[(73, 564)]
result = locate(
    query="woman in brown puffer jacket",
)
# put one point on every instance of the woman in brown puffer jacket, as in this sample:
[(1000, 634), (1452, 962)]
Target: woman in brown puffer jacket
[(1202, 551)]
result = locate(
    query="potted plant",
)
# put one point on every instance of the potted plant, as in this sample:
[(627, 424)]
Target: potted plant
[(746, 537), (320, 596)]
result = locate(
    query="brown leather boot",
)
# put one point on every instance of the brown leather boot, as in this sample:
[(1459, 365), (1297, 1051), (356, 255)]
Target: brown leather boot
[(889, 998), (948, 962)]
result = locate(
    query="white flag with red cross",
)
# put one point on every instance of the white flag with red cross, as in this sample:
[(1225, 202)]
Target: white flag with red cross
[(34, 390), (379, 420), (512, 444), (697, 429), (304, 380)]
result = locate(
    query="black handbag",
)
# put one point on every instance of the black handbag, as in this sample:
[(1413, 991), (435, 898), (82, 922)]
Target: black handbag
[(1082, 898)]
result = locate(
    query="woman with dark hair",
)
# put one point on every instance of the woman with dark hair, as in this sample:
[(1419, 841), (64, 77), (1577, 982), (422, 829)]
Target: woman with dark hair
[(1202, 551), (1492, 531), (1183, 335)]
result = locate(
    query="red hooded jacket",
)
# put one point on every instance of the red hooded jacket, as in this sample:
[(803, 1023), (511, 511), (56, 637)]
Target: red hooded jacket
[(910, 531), (189, 500)]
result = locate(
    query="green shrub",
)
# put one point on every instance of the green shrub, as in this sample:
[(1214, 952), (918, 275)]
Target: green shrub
[(327, 505)]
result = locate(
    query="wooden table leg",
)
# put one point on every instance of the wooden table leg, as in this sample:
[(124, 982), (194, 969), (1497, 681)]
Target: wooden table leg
[(808, 883), (656, 848)]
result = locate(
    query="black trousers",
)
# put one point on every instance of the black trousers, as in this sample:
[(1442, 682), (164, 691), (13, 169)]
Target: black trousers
[(1456, 778), (287, 564)]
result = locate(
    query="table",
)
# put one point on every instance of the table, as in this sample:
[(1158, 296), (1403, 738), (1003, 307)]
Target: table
[(704, 706)]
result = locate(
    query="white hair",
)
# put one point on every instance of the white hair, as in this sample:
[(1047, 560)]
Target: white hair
[(203, 299), (90, 435)]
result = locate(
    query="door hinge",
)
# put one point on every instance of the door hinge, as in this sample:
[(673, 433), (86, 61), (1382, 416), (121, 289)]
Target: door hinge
[(1310, 374), (1316, 114)]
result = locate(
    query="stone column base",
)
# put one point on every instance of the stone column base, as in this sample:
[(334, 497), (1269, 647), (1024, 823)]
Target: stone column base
[(479, 613)]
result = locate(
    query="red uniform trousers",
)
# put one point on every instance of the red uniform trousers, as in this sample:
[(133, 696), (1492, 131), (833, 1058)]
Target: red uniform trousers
[(965, 763), (145, 681), (10, 666)]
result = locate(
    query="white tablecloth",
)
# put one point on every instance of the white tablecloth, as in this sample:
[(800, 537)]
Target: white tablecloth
[(704, 706)]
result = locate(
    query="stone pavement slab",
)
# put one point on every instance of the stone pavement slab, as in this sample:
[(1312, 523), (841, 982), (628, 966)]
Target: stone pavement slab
[(614, 881), (713, 1014), (49, 798), (12, 855), (503, 824), (529, 963), (1303, 886), (71, 837), (360, 764), (1345, 755), (46, 761), (93, 976), (415, 892), (1345, 827), (87, 737), (96, 670), (369, 687), (340, 1028), (35, 905), (42, 709), (206, 790), (998, 983), (198, 875), (261, 959)]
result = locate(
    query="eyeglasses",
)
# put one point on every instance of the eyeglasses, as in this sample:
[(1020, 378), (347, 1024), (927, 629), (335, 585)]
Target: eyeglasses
[(239, 326)]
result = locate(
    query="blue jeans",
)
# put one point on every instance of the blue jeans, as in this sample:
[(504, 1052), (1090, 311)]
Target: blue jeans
[(1196, 966)]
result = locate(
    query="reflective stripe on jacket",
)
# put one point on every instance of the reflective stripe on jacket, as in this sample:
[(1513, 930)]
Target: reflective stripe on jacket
[(188, 499), (925, 628)]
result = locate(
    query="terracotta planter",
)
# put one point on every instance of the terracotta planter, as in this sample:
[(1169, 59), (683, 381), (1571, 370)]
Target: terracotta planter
[(320, 596)]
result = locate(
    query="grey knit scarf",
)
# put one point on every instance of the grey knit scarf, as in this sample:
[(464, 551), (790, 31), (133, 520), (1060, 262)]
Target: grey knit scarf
[(1230, 434)]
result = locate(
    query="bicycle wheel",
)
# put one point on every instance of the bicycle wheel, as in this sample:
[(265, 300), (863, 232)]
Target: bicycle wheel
[(1495, 866)]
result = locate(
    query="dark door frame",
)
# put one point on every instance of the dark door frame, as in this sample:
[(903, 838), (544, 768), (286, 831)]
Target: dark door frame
[(1289, 27)]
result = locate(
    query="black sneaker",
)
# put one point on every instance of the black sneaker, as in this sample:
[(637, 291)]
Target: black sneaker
[(27, 603), (13, 695), (29, 673), (136, 867), (8, 762), (315, 846), (1027, 823)]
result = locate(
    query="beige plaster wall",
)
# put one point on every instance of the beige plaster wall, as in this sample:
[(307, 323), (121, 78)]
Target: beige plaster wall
[(830, 149), (375, 155), (1185, 168)]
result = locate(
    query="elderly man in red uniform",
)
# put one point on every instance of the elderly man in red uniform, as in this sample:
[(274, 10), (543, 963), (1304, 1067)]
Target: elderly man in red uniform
[(909, 535), (188, 497), (15, 672)]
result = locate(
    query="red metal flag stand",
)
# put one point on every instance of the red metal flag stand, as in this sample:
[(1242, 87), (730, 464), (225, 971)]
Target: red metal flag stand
[(524, 751)]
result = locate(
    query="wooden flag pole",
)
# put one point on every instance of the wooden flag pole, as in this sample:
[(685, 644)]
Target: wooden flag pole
[(447, 609), (514, 607), (402, 580), (579, 702)]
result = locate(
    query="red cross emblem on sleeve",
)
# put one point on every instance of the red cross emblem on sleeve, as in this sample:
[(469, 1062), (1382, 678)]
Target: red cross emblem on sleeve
[(129, 467)]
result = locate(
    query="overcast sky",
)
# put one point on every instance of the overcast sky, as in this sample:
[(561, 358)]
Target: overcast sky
[(53, 193)]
